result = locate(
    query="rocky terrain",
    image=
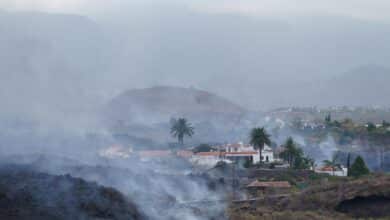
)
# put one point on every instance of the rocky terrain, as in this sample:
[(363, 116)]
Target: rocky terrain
[(27, 194), (159, 190), (348, 199)]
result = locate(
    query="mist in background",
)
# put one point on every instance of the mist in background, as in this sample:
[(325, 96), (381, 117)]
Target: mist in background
[(63, 63), (60, 61)]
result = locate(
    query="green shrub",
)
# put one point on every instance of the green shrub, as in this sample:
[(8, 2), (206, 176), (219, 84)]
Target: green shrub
[(359, 168)]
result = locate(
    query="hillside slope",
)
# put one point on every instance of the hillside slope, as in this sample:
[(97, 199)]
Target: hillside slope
[(364, 198), (361, 86), (366, 85), (146, 113)]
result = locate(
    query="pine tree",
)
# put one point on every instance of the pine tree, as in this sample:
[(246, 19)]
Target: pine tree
[(328, 118), (349, 164), (359, 168)]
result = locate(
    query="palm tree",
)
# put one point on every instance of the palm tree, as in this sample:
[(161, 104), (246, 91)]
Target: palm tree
[(258, 138), (333, 163), (180, 128)]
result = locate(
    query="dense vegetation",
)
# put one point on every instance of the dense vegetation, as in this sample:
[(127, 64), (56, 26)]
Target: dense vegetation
[(295, 156), (349, 136)]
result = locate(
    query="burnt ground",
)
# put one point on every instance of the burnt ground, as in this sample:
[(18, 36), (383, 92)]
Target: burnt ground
[(26, 194), (364, 207), (367, 197)]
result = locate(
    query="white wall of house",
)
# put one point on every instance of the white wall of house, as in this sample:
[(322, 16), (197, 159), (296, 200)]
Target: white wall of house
[(267, 152), (207, 161), (342, 172)]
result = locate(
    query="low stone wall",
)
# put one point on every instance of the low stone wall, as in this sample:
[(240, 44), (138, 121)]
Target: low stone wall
[(278, 173)]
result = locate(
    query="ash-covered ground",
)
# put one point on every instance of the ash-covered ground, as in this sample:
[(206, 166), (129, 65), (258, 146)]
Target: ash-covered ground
[(142, 190)]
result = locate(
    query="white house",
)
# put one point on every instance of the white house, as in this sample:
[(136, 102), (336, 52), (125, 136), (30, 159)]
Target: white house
[(333, 171), (232, 152), (241, 150)]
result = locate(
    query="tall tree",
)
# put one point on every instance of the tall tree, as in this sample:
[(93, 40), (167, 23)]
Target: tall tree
[(370, 127), (348, 163), (328, 118), (258, 138), (181, 127), (295, 156), (290, 151)]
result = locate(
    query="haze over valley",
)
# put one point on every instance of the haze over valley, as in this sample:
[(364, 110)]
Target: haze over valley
[(196, 110)]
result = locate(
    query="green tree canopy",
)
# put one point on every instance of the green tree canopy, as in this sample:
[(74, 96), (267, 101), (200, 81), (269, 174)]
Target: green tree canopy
[(359, 168), (385, 124), (295, 156), (258, 138), (290, 151), (328, 118), (371, 127), (181, 127)]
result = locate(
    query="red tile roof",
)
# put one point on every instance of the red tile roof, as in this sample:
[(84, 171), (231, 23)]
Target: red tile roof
[(327, 168), (214, 153), (243, 153)]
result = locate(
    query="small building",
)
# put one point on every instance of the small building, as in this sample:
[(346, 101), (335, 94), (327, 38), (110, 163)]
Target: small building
[(240, 149), (257, 188), (333, 171)]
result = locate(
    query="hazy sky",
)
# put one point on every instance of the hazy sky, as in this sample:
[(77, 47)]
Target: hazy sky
[(259, 53), (374, 9)]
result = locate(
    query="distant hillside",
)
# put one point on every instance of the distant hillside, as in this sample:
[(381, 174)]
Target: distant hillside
[(46, 62), (366, 85), (59, 64), (146, 113), (359, 87), (161, 103)]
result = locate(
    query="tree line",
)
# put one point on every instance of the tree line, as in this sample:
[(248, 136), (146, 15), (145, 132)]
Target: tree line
[(292, 153)]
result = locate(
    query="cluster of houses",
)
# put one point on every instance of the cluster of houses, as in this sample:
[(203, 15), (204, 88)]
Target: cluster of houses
[(227, 153), (234, 152)]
